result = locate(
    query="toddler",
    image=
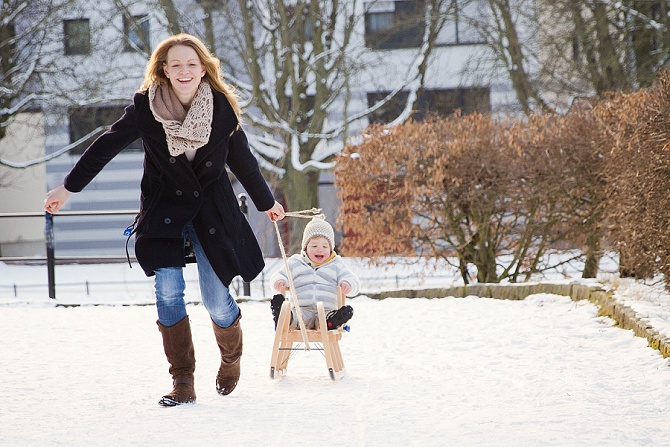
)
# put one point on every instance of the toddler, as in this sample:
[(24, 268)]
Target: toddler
[(317, 273)]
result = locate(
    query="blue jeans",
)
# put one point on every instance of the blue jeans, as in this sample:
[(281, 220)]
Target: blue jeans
[(170, 285)]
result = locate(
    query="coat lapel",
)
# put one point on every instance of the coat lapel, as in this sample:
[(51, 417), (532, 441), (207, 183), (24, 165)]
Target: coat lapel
[(224, 122)]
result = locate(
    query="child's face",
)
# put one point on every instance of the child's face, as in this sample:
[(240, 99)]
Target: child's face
[(318, 249)]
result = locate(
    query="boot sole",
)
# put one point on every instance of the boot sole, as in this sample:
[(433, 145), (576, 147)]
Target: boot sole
[(167, 402)]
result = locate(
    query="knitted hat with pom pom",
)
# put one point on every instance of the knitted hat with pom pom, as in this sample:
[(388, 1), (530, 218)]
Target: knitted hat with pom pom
[(318, 227)]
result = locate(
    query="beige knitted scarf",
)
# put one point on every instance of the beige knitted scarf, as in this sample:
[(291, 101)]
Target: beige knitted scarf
[(186, 130)]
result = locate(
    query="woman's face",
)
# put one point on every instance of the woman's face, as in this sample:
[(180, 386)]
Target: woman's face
[(184, 70)]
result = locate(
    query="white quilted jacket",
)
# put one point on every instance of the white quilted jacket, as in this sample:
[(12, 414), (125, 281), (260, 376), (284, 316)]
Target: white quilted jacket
[(320, 283)]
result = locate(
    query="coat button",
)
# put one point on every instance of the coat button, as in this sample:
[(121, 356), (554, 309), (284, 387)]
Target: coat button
[(178, 192), (208, 164), (167, 221), (212, 230), (196, 194), (173, 160)]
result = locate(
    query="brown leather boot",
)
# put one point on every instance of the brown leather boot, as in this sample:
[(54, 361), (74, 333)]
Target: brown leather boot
[(178, 345), (229, 340)]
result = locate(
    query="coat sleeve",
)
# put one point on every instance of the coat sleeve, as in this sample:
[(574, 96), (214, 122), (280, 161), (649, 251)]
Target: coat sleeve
[(245, 167), (345, 274), (280, 275), (103, 150)]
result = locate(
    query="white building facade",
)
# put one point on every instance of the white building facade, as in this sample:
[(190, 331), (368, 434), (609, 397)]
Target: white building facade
[(105, 51)]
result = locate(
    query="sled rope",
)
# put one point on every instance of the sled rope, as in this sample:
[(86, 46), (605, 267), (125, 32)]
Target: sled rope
[(307, 214), (293, 298)]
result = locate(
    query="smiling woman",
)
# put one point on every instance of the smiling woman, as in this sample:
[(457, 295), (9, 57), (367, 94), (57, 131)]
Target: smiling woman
[(188, 120)]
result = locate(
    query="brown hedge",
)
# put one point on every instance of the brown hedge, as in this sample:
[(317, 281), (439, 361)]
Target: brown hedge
[(500, 194)]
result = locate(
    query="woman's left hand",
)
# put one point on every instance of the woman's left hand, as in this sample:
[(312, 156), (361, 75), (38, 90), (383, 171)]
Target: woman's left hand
[(276, 212)]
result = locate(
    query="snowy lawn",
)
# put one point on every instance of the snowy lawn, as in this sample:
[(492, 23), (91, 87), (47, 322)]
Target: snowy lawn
[(545, 371)]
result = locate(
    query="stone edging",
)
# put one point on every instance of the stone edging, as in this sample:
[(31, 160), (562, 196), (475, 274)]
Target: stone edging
[(624, 316)]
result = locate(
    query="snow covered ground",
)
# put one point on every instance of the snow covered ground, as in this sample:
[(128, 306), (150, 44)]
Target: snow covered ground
[(545, 371)]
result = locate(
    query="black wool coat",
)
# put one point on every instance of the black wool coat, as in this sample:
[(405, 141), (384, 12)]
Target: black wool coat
[(175, 191)]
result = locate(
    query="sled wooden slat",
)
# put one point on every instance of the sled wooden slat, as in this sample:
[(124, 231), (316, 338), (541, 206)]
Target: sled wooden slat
[(285, 338)]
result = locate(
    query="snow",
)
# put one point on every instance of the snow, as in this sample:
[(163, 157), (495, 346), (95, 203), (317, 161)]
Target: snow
[(545, 371), (650, 302)]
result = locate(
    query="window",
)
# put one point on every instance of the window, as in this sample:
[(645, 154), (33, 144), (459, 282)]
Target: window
[(390, 110), (300, 23), (433, 102), (136, 33), (379, 21), (394, 24), (86, 119), (77, 36), (460, 28), (446, 102), (7, 54), (309, 28)]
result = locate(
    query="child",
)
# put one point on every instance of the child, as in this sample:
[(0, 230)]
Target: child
[(317, 272)]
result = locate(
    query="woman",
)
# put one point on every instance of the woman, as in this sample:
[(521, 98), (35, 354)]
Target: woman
[(188, 119)]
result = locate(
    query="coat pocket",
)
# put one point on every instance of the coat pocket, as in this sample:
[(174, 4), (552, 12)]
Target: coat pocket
[(148, 205), (229, 209)]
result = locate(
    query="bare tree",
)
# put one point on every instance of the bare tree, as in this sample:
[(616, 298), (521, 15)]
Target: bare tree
[(555, 51), (53, 63), (294, 64), (504, 34), (24, 27)]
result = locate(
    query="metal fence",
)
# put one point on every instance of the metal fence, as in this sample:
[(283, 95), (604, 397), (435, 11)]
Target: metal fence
[(51, 260), (372, 280)]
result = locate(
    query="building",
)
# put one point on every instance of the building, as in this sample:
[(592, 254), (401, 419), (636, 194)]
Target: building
[(104, 50), (22, 189)]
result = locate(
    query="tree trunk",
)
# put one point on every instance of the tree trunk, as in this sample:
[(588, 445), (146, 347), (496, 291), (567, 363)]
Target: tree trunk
[(301, 192), (515, 59), (486, 266), (613, 77), (7, 35), (485, 258), (593, 255), (208, 9), (463, 268), (171, 15), (643, 37)]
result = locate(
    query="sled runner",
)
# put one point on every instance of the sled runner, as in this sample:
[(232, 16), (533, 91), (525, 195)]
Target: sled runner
[(324, 340)]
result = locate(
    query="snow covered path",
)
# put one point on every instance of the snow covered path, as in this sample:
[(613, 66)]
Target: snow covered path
[(545, 371)]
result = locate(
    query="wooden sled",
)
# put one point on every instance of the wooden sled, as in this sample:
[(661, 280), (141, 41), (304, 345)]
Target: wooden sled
[(323, 339)]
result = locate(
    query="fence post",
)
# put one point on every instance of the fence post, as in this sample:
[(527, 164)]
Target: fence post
[(49, 239), (246, 286)]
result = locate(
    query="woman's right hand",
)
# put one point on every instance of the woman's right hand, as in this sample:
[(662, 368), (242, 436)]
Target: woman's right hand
[(56, 198), (276, 212)]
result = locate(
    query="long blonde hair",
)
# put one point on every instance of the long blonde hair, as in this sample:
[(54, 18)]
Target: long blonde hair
[(154, 74)]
